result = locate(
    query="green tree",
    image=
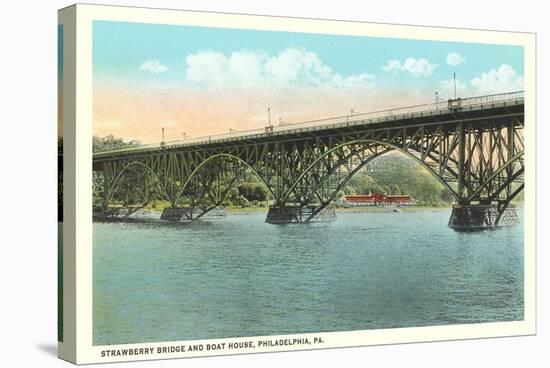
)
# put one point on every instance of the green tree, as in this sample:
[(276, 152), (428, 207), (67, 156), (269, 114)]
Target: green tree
[(446, 196), (394, 189), (109, 142), (260, 193), (252, 191)]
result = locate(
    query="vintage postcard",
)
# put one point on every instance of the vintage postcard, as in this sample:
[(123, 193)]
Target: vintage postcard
[(236, 184)]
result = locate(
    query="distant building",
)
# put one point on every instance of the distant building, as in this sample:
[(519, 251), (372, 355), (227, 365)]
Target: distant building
[(377, 199)]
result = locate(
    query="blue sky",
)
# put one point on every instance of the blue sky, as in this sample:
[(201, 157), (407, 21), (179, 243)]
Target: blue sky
[(60, 52), (200, 81), (120, 49), (60, 80)]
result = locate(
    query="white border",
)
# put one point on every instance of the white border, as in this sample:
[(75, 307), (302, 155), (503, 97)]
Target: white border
[(85, 14)]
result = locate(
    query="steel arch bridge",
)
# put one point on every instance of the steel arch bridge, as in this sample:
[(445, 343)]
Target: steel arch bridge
[(473, 146)]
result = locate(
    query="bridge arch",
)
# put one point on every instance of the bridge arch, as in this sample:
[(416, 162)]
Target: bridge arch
[(346, 179), (362, 142), (217, 157), (114, 184)]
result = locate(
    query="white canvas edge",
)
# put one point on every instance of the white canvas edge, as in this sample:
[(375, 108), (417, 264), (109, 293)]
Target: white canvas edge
[(87, 353)]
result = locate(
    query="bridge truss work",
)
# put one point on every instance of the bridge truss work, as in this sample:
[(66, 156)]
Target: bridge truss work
[(473, 146)]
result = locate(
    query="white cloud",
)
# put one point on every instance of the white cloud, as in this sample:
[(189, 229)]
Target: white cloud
[(419, 67), (415, 67), (502, 79), (499, 80), (153, 66), (455, 59), (392, 66), (245, 68), (214, 68)]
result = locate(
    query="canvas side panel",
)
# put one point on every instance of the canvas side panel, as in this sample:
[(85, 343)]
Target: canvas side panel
[(60, 183), (530, 257), (66, 185)]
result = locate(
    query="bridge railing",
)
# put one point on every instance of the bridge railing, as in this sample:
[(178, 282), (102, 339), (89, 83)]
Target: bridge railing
[(440, 105), (500, 97)]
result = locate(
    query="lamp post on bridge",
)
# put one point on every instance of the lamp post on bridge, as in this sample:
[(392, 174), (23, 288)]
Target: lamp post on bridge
[(351, 112), (454, 82), (269, 127)]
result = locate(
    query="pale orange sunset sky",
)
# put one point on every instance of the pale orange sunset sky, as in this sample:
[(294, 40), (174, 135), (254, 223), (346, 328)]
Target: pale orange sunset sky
[(203, 81)]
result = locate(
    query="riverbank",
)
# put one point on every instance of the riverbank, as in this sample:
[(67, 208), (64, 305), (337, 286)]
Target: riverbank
[(257, 210), (391, 209)]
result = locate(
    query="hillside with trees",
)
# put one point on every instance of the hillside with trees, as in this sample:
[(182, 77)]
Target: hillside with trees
[(109, 142), (398, 174)]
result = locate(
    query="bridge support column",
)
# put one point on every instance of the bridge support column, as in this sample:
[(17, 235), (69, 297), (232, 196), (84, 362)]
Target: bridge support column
[(467, 217), (173, 214), (299, 215)]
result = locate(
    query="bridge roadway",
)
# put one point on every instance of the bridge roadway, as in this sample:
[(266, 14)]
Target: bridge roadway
[(473, 146)]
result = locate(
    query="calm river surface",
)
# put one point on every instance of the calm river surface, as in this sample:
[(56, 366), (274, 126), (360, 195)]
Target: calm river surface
[(238, 276)]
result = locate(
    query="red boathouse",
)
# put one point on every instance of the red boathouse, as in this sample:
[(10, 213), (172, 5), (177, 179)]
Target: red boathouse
[(378, 199)]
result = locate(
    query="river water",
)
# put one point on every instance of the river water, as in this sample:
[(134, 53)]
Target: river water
[(238, 276)]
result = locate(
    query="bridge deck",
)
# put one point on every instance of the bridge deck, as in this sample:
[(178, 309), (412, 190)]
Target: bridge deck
[(449, 111)]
